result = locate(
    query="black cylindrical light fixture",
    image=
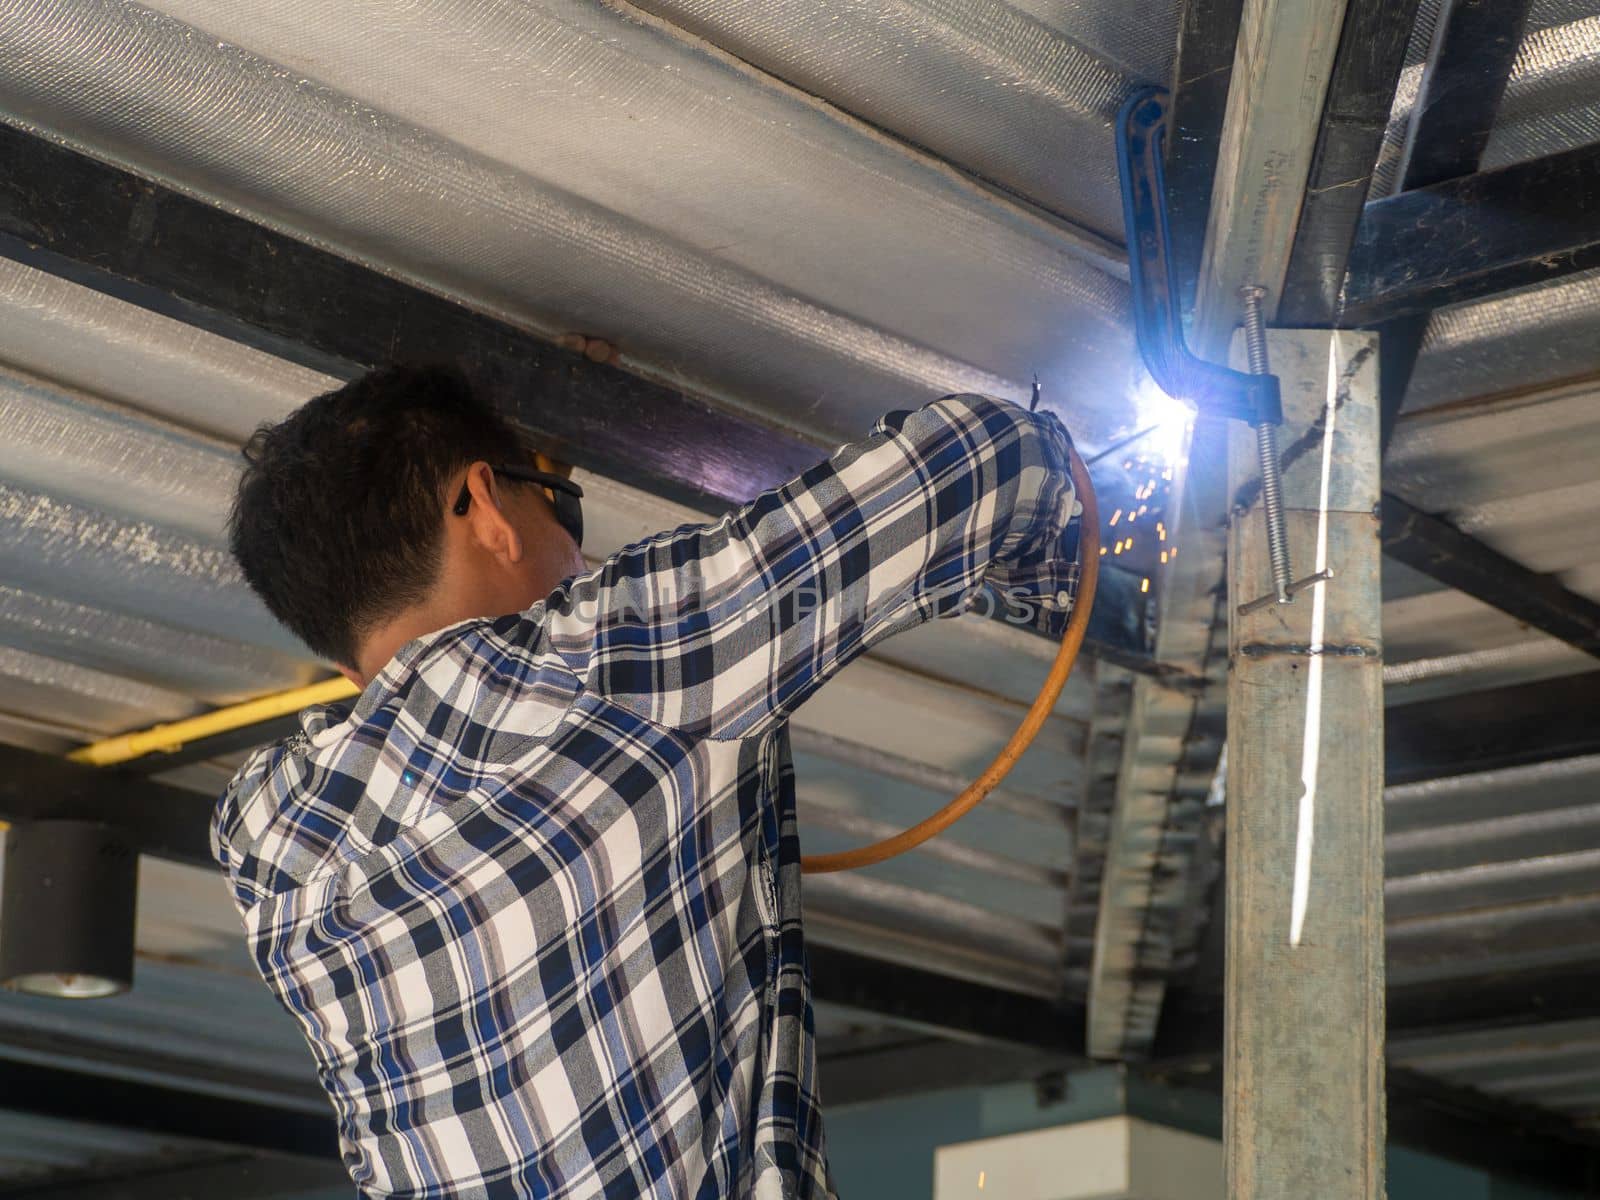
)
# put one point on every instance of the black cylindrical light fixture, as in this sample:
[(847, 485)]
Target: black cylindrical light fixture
[(67, 909)]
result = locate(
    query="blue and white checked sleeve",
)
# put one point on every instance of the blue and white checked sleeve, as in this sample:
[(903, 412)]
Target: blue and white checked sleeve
[(723, 630)]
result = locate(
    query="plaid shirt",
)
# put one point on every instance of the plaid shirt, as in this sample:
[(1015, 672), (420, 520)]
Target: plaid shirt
[(535, 899)]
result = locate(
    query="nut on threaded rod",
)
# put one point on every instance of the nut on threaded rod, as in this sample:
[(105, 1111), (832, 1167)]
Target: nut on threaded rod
[(1255, 340)]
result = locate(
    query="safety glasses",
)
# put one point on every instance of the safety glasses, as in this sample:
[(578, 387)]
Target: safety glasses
[(564, 494)]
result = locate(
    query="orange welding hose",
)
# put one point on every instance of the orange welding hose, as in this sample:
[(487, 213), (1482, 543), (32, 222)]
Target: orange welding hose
[(1043, 704)]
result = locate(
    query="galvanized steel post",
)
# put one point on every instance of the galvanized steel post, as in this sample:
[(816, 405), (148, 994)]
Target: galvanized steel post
[(1303, 1113)]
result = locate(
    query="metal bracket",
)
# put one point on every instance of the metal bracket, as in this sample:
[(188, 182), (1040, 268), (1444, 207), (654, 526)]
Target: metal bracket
[(1157, 319), (1214, 390)]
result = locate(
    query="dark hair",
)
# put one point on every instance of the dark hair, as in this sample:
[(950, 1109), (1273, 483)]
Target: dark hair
[(339, 518)]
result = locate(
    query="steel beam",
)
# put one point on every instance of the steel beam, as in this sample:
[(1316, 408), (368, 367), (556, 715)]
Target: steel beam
[(105, 228), (1372, 50), (1506, 1000), (1303, 1043), (1283, 59), (1469, 63), (941, 1004), (157, 818), (1200, 76), (218, 745), (161, 1109), (909, 1066), (108, 229), (1415, 1014), (1429, 1114), (1283, 65), (1450, 235), (1439, 550), (1508, 1140), (1501, 1136), (1484, 731), (1473, 236)]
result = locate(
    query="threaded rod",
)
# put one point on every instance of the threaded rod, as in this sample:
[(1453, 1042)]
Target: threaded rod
[(1255, 340)]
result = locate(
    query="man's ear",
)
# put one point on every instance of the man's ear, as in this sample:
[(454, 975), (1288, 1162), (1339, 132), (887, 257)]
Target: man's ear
[(352, 675), (490, 526)]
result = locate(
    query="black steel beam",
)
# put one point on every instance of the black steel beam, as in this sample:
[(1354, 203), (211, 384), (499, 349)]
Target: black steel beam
[(165, 1110), (1504, 1000), (1366, 70), (1485, 731), (158, 819), (940, 1004), (1469, 64), (1201, 74), (1439, 550), (1474, 236), (236, 1176), (1511, 1140), (218, 745), (1500, 1136), (1191, 1024), (929, 1064), (103, 227)]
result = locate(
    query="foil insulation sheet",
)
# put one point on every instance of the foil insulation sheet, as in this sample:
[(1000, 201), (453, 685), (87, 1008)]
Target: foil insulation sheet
[(64, 693), (1550, 101), (1509, 343), (574, 166), (101, 346), (1021, 95), (88, 556), (91, 452), (213, 669)]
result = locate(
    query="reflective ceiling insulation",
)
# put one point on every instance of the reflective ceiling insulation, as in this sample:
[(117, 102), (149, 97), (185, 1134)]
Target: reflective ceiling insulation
[(1019, 93), (579, 166)]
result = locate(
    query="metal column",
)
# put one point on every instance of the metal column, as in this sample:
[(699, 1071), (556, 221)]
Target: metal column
[(1303, 1114)]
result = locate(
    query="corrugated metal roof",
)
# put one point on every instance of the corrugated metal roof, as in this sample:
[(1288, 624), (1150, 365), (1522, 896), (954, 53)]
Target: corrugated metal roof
[(1555, 1065), (1497, 872), (818, 217)]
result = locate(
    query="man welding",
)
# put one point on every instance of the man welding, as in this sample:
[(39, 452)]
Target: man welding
[(535, 898)]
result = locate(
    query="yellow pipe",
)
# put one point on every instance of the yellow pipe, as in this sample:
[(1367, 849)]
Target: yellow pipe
[(164, 739)]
